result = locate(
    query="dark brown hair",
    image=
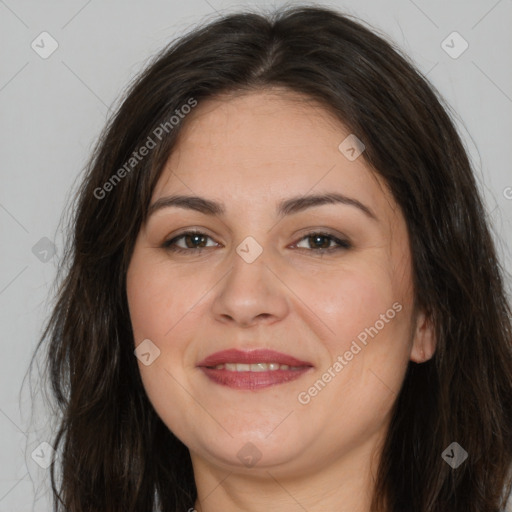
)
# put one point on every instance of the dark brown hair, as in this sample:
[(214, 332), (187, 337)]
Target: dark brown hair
[(115, 452)]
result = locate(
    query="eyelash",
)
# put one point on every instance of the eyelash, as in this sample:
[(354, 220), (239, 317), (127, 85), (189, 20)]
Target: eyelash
[(342, 244)]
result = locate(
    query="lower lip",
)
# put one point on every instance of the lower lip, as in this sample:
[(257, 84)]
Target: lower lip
[(253, 380)]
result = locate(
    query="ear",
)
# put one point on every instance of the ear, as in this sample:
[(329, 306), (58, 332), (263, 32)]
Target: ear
[(423, 342)]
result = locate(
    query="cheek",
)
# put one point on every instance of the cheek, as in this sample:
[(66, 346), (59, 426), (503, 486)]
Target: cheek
[(351, 301), (367, 312), (157, 298), (368, 347), (159, 306)]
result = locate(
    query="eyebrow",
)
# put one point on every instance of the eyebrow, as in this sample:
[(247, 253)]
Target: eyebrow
[(286, 207)]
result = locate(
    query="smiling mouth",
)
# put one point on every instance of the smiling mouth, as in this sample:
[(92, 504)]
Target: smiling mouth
[(252, 370), (258, 367)]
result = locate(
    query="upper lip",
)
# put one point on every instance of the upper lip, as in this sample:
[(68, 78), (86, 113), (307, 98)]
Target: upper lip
[(251, 356)]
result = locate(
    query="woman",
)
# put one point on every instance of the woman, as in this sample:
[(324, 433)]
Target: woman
[(282, 224)]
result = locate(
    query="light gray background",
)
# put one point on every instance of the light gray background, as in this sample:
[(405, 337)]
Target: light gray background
[(52, 110)]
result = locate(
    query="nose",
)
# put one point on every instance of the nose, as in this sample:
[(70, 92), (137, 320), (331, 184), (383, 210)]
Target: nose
[(250, 294)]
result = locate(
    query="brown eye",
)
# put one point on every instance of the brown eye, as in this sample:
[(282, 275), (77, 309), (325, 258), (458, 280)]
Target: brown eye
[(196, 241), (322, 242), (188, 242)]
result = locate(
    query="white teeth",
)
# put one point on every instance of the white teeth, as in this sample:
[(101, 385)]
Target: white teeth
[(257, 367)]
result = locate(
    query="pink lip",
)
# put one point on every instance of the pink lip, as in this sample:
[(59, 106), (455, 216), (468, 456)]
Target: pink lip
[(252, 380), (252, 356)]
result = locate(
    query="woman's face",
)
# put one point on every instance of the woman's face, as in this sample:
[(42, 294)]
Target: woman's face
[(274, 268)]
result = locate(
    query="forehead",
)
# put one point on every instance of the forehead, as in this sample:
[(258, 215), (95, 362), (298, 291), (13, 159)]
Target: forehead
[(263, 145)]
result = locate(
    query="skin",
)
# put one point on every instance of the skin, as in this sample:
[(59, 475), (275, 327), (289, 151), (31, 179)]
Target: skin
[(250, 152)]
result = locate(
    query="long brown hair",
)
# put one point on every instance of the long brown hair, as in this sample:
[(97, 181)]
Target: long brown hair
[(116, 453)]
